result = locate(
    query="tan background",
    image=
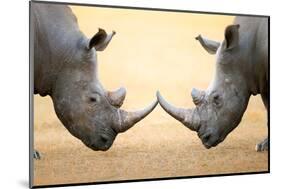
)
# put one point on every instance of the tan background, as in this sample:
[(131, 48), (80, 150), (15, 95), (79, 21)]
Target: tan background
[(151, 51)]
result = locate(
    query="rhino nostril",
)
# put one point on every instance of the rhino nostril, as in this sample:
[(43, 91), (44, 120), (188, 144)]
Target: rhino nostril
[(104, 138), (206, 137)]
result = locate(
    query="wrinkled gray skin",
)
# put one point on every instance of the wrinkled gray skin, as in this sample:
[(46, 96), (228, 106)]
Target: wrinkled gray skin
[(241, 71), (65, 64)]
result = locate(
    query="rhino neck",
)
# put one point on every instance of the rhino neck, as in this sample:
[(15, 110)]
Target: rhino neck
[(57, 42), (47, 71), (254, 41), (256, 71)]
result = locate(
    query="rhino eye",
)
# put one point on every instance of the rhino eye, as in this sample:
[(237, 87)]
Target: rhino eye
[(217, 100), (216, 97), (93, 99)]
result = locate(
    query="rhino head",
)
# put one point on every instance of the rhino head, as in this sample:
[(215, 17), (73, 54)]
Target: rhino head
[(220, 108), (87, 110)]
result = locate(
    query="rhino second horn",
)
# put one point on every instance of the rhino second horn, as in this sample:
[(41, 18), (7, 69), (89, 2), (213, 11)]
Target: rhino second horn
[(197, 96), (116, 98), (185, 116), (129, 119)]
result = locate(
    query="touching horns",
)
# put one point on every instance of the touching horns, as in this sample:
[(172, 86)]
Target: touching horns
[(188, 117)]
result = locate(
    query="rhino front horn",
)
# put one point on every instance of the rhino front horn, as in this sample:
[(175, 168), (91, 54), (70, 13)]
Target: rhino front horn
[(188, 117), (128, 119)]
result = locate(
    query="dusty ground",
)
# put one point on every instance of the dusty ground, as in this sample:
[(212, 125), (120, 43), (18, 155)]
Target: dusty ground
[(151, 51)]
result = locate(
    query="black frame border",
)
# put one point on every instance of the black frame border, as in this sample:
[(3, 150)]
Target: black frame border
[(31, 101)]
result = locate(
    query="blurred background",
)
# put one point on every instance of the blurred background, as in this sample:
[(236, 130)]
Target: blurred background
[(151, 51)]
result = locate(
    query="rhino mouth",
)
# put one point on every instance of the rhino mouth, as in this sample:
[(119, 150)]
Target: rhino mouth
[(102, 141), (209, 143), (210, 140), (104, 147)]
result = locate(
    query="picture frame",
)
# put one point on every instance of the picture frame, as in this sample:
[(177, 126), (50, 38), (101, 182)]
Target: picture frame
[(173, 169)]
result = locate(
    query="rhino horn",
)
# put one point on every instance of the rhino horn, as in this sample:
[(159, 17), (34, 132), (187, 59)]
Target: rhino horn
[(197, 96), (128, 119), (188, 117), (116, 98)]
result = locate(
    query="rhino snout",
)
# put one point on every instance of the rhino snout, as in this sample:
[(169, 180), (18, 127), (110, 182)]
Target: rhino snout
[(104, 144), (101, 141), (209, 138)]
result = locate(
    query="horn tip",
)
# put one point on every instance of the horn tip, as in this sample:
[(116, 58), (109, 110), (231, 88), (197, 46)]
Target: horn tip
[(155, 101), (157, 93), (161, 100), (154, 104), (123, 89), (159, 97), (194, 92)]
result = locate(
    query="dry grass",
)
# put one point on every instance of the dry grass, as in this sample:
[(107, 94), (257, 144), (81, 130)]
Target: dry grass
[(151, 51)]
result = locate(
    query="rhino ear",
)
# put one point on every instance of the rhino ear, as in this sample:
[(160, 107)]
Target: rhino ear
[(100, 40), (209, 45), (231, 35)]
